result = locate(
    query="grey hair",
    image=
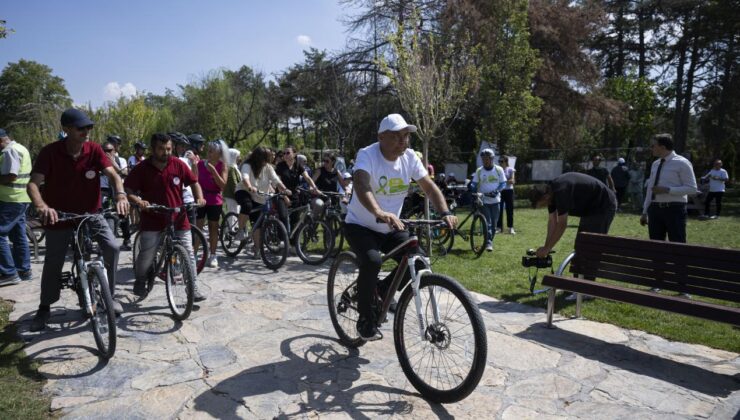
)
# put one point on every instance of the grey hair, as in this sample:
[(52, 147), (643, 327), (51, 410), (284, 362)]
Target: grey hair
[(222, 147)]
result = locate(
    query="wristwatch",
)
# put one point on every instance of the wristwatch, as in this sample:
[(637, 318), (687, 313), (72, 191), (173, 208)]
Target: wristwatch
[(445, 214)]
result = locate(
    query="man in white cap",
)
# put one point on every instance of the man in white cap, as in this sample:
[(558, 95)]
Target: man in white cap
[(621, 178), (489, 180), (382, 174)]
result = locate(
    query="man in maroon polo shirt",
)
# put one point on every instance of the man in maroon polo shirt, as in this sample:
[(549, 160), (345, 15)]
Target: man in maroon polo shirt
[(70, 171), (160, 179)]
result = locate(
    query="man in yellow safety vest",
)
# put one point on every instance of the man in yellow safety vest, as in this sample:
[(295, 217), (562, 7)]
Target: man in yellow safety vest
[(15, 171)]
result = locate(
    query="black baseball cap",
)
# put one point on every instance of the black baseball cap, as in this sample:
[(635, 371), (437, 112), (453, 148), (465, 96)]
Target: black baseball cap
[(75, 118), (3, 133)]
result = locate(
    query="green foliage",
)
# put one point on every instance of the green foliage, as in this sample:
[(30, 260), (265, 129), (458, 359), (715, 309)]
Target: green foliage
[(131, 119), (638, 97), (4, 30)]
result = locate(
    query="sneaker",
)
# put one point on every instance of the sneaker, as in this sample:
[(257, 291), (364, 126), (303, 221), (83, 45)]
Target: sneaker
[(499, 230), (213, 261), (117, 307), (489, 247), (9, 279), (40, 320), (140, 289), (198, 296), (240, 235), (393, 306), (26, 275), (512, 231), (685, 295), (655, 289), (367, 330), (573, 296), (125, 246)]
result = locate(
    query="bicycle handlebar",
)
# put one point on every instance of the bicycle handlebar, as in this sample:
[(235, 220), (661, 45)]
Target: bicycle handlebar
[(159, 207), (63, 216)]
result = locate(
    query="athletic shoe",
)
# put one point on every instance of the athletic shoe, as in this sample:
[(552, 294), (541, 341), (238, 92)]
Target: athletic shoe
[(126, 246), (499, 230), (9, 279), (511, 231), (240, 235), (685, 295), (198, 296), (26, 275), (367, 330), (489, 247), (572, 297), (140, 289), (117, 308), (213, 261), (40, 320)]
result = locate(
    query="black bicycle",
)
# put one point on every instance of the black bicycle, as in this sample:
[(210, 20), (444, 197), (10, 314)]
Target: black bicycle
[(334, 218), (476, 235), (440, 340), (89, 280), (200, 247)]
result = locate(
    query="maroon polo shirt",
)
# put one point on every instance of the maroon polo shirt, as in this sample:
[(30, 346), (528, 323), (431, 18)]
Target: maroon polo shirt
[(71, 185), (163, 187)]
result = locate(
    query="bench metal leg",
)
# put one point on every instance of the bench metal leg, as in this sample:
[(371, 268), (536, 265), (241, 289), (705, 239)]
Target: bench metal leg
[(579, 300), (550, 306)]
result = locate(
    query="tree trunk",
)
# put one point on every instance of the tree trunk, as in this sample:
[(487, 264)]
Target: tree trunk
[(681, 45)]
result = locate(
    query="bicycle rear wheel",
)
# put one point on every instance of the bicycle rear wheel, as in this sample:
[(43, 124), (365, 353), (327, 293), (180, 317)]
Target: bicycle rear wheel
[(135, 248), (103, 319), (315, 241), (274, 244), (447, 362), (227, 235), (341, 293), (478, 232), (200, 248), (180, 282)]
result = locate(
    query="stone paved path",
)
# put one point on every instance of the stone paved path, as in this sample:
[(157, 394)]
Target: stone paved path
[(262, 346)]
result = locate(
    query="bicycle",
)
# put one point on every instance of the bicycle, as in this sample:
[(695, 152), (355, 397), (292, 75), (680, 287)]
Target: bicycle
[(478, 229), (173, 264), (334, 218), (425, 337), (200, 247), (89, 280)]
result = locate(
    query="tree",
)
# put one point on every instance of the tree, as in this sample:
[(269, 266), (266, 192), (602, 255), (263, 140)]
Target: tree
[(4, 31), (133, 119), (31, 101)]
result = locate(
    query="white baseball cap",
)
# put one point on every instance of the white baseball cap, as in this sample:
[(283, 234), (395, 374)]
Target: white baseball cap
[(395, 122)]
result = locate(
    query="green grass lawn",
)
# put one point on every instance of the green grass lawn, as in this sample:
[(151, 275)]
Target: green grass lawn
[(500, 274), (20, 383)]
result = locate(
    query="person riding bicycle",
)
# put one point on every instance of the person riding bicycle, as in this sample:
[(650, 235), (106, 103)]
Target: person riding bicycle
[(257, 175), (183, 152), (382, 174), (489, 179), (160, 179), (110, 147), (70, 171)]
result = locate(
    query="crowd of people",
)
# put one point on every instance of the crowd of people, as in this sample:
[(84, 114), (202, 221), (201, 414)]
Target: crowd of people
[(76, 175)]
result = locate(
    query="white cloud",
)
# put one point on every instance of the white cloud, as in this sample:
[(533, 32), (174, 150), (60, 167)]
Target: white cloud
[(113, 91), (304, 40)]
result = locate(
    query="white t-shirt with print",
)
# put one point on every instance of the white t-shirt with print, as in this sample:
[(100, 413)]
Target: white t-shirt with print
[(187, 192), (389, 182), (489, 180)]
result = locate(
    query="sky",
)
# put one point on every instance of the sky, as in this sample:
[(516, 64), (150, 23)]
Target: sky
[(104, 49)]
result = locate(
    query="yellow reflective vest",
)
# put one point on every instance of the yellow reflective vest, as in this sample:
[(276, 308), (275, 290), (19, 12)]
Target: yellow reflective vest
[(15, 192)]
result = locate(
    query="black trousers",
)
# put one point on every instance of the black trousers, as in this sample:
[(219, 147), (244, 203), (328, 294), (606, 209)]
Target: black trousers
[(717, 197), (667, 220), (620, 191), (507, 201), (367, 245)]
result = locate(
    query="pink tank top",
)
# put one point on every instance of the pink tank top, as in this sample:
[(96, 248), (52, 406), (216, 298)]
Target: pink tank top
[(211, 191)]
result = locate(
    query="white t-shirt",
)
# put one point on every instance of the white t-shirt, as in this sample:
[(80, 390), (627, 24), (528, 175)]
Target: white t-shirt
[(509, 172), (490, 180), (717, 185), (104, 182), (389, 182), (266, 182), (187, 192)]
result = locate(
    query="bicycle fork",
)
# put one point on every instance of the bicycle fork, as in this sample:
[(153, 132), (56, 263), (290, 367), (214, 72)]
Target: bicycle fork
[(83, 268), (415, 284)]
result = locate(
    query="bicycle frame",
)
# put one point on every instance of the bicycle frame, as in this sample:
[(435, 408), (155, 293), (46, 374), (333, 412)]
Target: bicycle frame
[(473, 210)]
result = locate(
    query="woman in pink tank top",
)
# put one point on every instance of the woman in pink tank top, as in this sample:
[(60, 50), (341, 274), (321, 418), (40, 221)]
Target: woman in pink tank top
[(212, 175)]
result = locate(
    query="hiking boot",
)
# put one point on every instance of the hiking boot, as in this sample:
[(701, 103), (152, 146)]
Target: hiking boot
[(367, 330), (40, 320), (9, 279)]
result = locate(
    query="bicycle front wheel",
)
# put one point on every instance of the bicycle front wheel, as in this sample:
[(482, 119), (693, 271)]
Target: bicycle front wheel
[(200, 248), (180, 282), (274, 246), (446, 361), (227, 235), (478, 232), (315, 242), (341, 293), (103, 319), (135, 249)]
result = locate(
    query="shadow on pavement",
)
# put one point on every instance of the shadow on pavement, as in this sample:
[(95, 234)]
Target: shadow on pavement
[(636, 361), (318, 367)]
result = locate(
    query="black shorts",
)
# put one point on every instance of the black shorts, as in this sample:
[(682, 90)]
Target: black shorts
[(246, 205), (213, 212)]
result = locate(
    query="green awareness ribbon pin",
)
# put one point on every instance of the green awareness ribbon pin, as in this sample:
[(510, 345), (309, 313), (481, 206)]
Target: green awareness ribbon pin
[(383, 183)]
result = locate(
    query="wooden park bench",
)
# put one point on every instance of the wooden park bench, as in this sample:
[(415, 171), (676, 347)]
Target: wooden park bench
[(692, 269)]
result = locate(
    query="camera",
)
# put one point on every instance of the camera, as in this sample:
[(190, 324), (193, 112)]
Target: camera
[(531, 260)]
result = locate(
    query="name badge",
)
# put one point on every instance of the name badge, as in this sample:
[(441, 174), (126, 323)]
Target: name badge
[(90, 174)]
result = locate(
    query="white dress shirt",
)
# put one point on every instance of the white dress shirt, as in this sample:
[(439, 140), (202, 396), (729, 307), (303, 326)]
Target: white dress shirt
[(678, 175)]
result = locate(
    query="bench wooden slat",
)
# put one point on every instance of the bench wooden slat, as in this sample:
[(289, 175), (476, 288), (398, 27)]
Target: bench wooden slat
[(694, 308), (595, 268)]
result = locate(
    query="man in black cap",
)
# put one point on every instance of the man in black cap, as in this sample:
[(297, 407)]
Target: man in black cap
[(70, 171)]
